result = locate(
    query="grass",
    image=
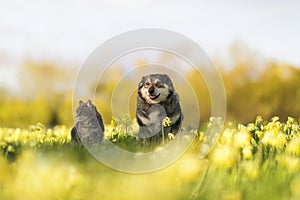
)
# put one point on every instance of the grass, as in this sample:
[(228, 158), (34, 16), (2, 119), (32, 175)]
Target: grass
[(259, 160)]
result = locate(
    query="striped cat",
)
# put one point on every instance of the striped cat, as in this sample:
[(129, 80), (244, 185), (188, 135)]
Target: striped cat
[(89, 127)]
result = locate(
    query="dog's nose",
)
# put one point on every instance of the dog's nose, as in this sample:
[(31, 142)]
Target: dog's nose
[(151, 90)]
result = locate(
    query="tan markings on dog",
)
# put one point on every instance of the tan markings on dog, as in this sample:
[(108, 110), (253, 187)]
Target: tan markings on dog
[(156, 80)]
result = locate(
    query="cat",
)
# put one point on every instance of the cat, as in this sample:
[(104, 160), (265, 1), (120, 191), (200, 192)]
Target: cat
[(89, 127)]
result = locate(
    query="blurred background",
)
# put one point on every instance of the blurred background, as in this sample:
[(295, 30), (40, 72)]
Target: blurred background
[(43, 44)]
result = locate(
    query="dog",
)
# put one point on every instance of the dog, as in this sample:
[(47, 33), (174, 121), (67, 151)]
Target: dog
[(157, 100), (89, 128)]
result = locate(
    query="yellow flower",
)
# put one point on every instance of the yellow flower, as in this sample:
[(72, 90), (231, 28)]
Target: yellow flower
[(259, 134), (280, 140), (274, 138), (247, 152), (113, 122), (224, 157), (275, 119), (201, 137), (293, 147), (290, 121), (251, 127), (171, 136), (268, 138), (166, 122), (242, 138), (258, 120), (227, 136)]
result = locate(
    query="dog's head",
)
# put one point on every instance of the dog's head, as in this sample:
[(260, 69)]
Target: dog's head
[(155, 88)]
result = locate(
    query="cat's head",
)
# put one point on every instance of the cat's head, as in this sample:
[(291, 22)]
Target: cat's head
[(85, 109)]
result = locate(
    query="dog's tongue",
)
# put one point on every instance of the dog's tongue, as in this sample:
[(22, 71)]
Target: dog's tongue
[(152, 96)]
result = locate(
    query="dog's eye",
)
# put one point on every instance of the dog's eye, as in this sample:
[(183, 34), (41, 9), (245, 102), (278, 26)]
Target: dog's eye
[(147, 84), (159, 85)]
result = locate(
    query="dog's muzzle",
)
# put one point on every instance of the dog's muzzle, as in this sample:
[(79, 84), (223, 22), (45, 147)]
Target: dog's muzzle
[(152, 94)]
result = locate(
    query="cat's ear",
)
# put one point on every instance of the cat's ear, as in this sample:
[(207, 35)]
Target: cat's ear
[(80, 102), (89, 103)]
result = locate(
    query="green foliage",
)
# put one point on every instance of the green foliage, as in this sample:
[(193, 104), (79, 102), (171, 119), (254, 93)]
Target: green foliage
[(275, 92), (46, 94), (15, 112)]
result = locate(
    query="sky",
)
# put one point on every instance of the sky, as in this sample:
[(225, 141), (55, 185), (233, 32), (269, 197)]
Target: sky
[(69, 30)]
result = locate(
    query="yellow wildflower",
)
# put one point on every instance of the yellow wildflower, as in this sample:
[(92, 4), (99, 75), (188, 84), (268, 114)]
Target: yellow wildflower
[(224, 157), (259, 134), (113, 122), (247, 152), (201, 137), (227, 136), (166, 122), (293, 147), (242, 138), (251, 127), (280, 140), (268, 138), (275, 119), (171, 136)]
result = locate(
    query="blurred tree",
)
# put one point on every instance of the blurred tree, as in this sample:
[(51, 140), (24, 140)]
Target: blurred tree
[(45, 93), (44, 78), (203, 97), (252, 87), (276, 92), (104, 91)]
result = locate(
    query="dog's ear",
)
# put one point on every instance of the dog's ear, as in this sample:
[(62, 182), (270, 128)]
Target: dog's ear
[(170, 83), (141, 83)]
